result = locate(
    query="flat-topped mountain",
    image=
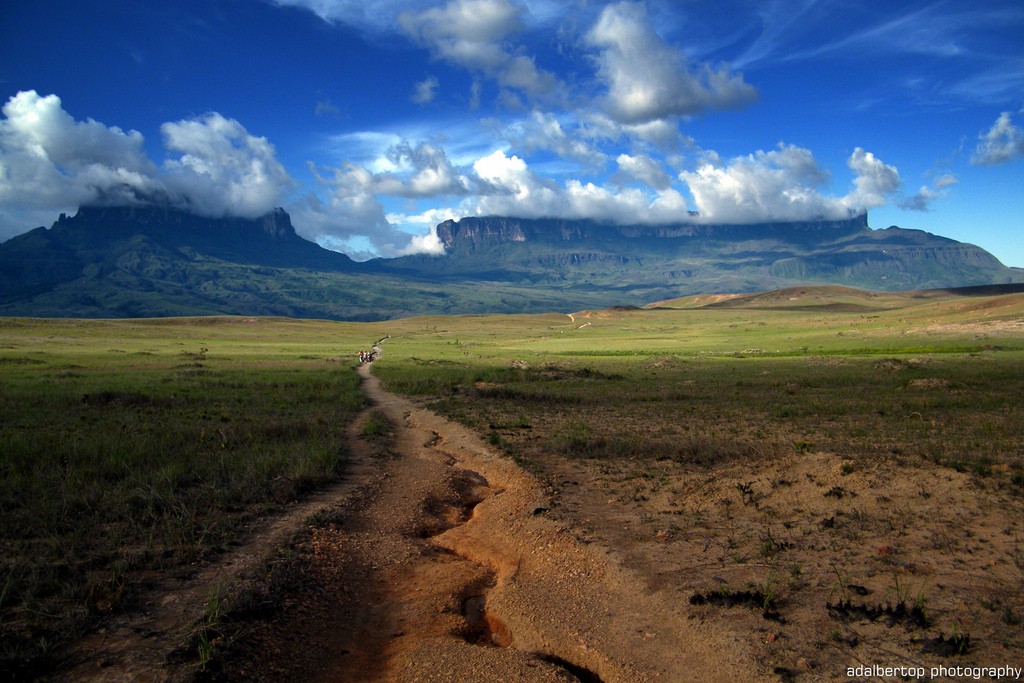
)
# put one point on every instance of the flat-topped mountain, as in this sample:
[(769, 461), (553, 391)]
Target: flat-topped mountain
[(146, 261), (96, 231), (703, 258), (468, 233)]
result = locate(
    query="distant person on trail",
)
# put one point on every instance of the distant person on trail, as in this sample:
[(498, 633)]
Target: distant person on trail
[(361, 358)]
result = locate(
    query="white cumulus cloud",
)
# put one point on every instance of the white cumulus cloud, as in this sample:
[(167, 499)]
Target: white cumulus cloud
[(515, 190), (354, 208), (785, 185), (782, 184), (222, 168), (875, 181), (474, 34), (1003, 143), (645, 169), (423, 171), (51, 163), (650, 80)]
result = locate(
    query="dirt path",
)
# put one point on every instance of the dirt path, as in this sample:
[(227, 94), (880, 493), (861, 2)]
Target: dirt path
[(436, 563), (452, 572)]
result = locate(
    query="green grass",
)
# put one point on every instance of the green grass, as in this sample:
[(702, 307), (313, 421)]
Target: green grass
[(713, 409), (701, 384), (133, 447)]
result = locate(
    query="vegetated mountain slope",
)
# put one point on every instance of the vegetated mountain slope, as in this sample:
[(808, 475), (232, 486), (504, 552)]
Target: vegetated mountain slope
[(151, 241), (701, 258), (147, 261)]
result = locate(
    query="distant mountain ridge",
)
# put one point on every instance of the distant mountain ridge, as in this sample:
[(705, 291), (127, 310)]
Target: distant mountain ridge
[(459, 235), (145, 261), (704, 258)]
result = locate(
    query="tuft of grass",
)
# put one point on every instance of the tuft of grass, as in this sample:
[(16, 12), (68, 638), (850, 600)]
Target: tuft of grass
[(377, 426)]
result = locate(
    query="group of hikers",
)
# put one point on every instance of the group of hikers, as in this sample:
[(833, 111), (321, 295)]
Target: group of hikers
[(368, 356)]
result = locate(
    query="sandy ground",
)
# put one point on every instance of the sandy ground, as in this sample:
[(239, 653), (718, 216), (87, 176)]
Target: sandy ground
[(445, 568)]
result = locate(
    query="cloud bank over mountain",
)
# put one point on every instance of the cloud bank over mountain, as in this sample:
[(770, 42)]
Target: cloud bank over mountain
[(626, 112), (50, 161)]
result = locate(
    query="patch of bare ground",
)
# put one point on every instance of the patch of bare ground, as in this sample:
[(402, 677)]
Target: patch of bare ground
[(978, 329), (814, 516), (812, 562), (446, 568)]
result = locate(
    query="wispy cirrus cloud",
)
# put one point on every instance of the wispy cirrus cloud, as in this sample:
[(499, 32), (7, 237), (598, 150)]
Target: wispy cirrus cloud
[(368, 16), (381, 16), (972, 47), (811, 29)]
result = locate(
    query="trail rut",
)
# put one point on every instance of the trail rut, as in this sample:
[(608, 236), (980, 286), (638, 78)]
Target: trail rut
[(437, 564), (475, 584)]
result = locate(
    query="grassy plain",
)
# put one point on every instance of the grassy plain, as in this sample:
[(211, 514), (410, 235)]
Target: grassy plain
[(130, 449), (849, 465), (803, 446), (831, 367)]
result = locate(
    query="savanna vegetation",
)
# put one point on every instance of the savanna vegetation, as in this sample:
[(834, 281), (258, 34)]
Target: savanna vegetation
[(845, 464), (132, 449), (804, 444), (956, 409), (859, 375)]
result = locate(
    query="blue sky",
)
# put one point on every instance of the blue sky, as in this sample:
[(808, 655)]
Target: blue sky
[(373, 120)]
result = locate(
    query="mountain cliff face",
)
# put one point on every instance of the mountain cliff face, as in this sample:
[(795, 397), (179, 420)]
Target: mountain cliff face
[(156, 261), (469, 233), (702, 258), (147, 242), (269, 240)]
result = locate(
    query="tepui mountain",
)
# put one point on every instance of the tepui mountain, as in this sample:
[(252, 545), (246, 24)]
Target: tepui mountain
[(147, 260)]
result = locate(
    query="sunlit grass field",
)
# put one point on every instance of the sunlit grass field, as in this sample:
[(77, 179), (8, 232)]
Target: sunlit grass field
[(133, 447), (130, 449), (935, 378)]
